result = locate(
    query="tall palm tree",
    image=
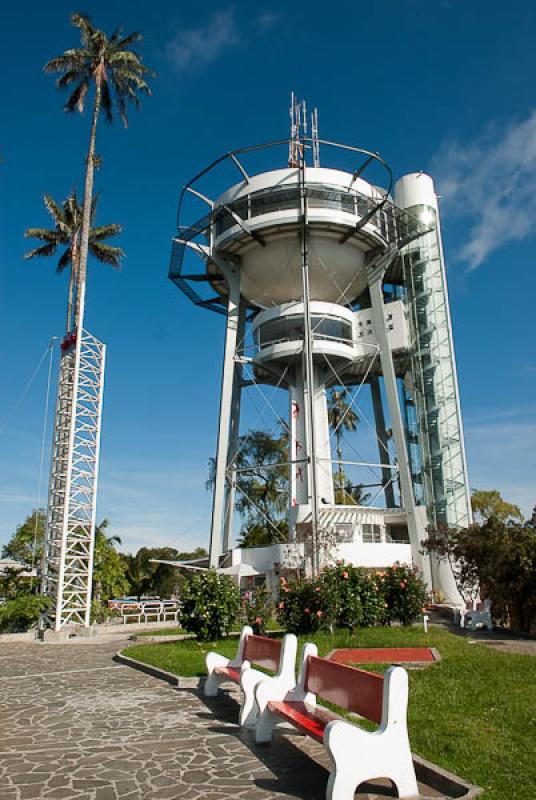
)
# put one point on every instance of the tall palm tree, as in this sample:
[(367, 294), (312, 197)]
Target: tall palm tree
[(341, 417), (117, 74), (66, 233)]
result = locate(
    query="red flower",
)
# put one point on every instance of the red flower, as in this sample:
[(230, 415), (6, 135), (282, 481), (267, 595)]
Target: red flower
[(258, 620), (306, 610), (345, 575), (402, 584), (319, 613), (281, 605), (317, 588)]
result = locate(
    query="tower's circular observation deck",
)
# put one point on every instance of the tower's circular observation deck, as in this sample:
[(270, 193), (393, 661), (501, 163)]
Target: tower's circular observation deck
[(259, 225), (270, 206)]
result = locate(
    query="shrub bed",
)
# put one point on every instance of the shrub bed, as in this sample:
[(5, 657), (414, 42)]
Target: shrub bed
[(344, 596)]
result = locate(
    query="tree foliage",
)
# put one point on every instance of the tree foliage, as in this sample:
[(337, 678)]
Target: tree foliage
[(66, 233), (498, 559), (26, 544), (261, 487), (487, 503), (118, 75), (109, 567), (160, 580), (21, 613), (341, 417)]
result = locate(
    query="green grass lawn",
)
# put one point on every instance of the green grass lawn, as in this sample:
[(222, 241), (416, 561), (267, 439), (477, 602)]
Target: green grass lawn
[(162, 632), (473, 713)]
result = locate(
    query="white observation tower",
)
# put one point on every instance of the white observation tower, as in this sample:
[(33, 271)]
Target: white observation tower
[(327, 279)]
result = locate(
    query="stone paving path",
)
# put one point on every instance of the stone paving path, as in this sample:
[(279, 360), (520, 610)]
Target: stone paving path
[(75, 724)]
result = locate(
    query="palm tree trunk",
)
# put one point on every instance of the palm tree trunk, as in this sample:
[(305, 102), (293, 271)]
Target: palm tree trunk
[(339, 455), (70, 300), (88, 196), (72, 279)]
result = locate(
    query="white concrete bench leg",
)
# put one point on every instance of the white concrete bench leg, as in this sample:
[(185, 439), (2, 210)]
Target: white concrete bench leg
[(282, 687), (273, 688), (359, 755), (213, 660), (265, 725)]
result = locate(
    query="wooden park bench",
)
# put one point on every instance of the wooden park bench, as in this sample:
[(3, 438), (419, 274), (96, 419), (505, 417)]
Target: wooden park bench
[(356, 755), (278, 656)]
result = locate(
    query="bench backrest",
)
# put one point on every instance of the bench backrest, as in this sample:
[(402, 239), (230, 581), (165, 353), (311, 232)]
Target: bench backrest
[(353, 689), (263, 651)]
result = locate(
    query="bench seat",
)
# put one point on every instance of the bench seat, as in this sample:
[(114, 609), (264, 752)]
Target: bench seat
[(310, 719), (230, 673)]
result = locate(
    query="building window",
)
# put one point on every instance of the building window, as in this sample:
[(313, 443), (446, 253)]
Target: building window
[(372, 534), (344, 531)]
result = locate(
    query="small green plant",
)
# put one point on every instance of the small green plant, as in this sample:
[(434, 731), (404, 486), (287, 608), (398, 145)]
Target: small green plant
[(209, 605), (258, 609), (22, 613)]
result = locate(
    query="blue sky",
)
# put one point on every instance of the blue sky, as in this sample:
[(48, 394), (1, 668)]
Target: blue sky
[(445, 87)]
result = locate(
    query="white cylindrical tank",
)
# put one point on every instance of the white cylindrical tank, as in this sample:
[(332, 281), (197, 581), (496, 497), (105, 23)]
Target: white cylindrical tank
[(268, 241)]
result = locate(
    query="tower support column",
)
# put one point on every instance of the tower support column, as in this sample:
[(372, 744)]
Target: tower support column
[(234, 432), (416, 520), (226, 406)]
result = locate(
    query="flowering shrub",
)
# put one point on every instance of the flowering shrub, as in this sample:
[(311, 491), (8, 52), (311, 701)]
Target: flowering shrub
[(405, 593), (344, 596), (257, 609), (209, 604), (300, 607)]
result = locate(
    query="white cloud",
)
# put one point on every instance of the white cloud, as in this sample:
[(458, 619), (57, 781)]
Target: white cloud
[(491, 183), (266, 21), (196, 48)]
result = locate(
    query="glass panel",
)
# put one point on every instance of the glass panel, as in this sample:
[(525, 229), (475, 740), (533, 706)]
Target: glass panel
[(291, 328), (371, 534)]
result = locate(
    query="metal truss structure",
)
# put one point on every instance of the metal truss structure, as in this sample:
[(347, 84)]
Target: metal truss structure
[(70, 529)]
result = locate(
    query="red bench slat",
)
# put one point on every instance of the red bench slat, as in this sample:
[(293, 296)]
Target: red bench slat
[(229, 672), (348, 687), (263, 651), (310, 720)]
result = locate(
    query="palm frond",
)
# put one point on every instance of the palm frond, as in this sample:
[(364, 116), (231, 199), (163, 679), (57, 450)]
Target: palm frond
[(53, 209), (65, 260), (70, 60), (83, 23), (44, 250), (136, 36), (68, 77), (105, 232), (44, 234), (77, 98), (106, 253)]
